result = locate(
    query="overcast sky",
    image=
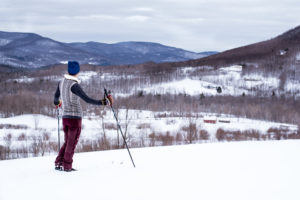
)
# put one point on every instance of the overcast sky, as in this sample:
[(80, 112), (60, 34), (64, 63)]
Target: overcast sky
[(196, 25)]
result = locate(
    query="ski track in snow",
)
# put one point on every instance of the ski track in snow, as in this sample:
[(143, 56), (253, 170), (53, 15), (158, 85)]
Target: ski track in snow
[(227, 171)]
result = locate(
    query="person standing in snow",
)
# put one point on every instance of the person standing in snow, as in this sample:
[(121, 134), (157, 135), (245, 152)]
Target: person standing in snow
[(67, 95)]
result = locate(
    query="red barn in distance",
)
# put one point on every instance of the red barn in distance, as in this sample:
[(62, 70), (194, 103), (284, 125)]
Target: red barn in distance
[(210, 120)]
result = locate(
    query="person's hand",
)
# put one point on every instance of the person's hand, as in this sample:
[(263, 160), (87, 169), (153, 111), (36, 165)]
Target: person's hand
[(110, 99), (107, 101), (58, 105)]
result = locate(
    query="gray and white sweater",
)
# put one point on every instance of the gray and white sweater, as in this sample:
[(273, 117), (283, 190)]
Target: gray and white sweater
[(69, 91)]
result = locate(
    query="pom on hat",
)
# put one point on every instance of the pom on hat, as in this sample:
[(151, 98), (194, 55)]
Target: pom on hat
[(73, 67)]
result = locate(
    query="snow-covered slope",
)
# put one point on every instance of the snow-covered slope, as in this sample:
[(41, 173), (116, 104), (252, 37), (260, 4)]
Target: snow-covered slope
[(203, 80), (232, 80), (222, 171)]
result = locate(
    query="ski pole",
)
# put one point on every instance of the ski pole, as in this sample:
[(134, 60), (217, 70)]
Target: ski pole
[(118, 124), (58, 131)]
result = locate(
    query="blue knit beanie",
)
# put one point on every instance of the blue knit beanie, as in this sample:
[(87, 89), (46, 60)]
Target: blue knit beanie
[(73, 67)]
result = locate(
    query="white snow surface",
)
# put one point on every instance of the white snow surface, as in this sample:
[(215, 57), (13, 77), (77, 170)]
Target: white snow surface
[(230, 79), (23, 79), (47, 43), (298, 57), (192, 55), (92, 125), (64, 62), (185, 86), (211, 171), (234, 83), (150, 121), (84, 76), (87, 75), (4, 42)]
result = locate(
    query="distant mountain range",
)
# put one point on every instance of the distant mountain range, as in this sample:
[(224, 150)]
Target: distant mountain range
[(30, 50)]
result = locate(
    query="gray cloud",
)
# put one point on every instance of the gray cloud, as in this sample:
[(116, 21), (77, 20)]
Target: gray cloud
[(197, 25)]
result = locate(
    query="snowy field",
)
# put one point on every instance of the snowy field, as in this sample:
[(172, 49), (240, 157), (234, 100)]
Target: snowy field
[(140, 124), (268, 170), (192, 81), (218, 171), (231, 79)]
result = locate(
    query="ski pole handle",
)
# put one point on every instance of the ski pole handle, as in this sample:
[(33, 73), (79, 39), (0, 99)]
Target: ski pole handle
[(105, 92), (108, 96)]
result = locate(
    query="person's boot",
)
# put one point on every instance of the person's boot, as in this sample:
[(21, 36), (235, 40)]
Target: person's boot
[(69, 170), (58, 167)]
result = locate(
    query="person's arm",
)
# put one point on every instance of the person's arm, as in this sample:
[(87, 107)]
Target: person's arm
[(76, 89), (56, 96)]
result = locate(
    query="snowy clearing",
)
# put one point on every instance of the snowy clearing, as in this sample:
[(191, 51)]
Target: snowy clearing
[(191, 81), (226, 171), (140, 124), (204, 80)]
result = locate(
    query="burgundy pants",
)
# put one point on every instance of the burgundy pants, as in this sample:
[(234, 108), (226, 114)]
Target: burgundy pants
[(72, 129)]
